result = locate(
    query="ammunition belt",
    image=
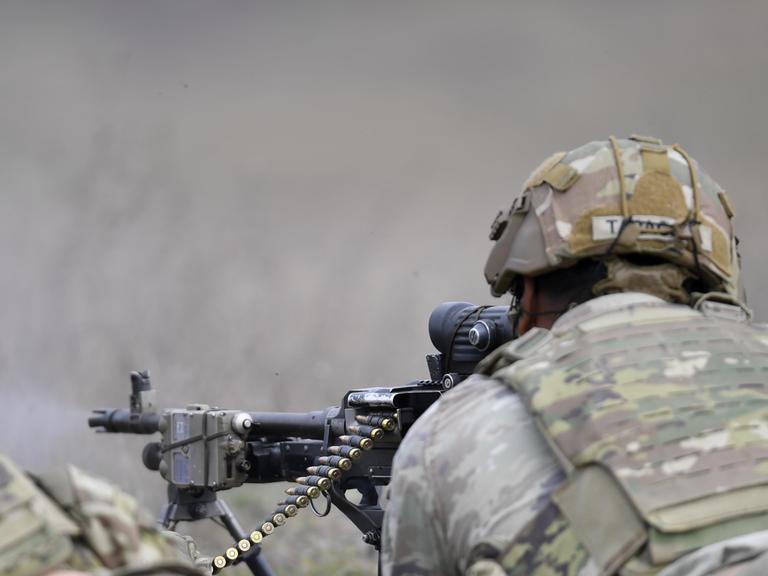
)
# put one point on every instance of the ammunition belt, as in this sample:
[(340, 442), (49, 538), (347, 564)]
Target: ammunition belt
[(328, 468)]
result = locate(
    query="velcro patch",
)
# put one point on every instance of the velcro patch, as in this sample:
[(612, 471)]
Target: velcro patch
[(651, 227), (705, 233), (646, 139), (561, 177), (537, 176)]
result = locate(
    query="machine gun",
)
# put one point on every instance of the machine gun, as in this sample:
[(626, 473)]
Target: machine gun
[(205, 449)]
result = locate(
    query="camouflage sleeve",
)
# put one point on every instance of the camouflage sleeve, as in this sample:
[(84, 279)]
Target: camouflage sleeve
[(412, 542), (473, 470)]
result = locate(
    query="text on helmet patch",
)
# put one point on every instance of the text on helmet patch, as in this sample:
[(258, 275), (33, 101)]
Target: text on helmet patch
[(651, 227)]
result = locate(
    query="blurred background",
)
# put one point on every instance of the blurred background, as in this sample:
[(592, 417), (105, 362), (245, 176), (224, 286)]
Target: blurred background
[(262, 202)]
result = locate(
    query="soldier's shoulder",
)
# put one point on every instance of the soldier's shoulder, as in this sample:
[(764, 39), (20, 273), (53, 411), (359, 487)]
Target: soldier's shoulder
[(475, 393), (616, 325), (35, 533), (118, 530), (437, 426), (622, 310), (632, 311), (75, 520)]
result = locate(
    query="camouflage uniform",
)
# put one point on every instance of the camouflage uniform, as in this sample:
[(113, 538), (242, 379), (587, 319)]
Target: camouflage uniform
[(451, 491), (683, 399), (74, 521), (632, 437)]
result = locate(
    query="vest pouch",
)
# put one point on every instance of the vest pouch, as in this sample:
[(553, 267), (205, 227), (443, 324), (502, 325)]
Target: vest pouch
[(604, 519), (681, 528)]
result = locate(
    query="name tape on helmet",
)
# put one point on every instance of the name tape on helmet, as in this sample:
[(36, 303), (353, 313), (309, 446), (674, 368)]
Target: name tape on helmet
[(651, 228)]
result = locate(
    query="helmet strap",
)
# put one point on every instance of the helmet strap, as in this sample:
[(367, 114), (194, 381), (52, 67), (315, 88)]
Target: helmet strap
[(694, 219), (620, 175)]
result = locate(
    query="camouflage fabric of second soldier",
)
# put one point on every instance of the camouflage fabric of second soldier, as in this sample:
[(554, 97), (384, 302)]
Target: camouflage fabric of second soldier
[(72, 520)]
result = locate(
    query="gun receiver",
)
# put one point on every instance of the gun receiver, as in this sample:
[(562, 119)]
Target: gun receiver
[(205, 449)]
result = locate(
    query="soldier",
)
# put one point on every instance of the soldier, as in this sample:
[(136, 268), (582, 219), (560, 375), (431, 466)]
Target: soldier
[(73, 523), (626, 430)]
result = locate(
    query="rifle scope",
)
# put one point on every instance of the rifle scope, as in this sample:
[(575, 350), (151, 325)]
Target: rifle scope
[(465, 333)]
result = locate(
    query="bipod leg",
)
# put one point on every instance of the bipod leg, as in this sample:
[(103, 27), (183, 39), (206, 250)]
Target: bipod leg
[(192, 505)]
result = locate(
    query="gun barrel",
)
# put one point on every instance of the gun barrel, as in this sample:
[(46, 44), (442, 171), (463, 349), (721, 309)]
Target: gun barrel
[(289, 424), (124, 421)]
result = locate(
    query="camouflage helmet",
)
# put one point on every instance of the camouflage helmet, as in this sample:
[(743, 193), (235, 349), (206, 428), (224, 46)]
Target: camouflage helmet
[(618, 198)]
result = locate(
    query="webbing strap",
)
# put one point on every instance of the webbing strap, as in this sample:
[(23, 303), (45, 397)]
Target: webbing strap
[(620, 174), (695, 233), (694, 182)]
